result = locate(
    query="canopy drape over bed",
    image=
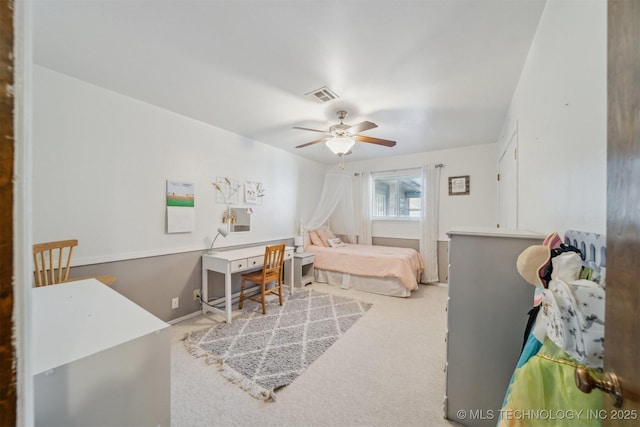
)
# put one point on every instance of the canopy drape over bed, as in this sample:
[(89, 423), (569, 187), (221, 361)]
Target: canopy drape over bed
[(337, 195)]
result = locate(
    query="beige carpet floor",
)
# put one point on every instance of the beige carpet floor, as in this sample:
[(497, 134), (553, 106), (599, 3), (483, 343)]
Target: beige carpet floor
[(387, 370)]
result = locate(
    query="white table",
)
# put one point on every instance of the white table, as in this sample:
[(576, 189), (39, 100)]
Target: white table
[(98, 358), (231, 262)]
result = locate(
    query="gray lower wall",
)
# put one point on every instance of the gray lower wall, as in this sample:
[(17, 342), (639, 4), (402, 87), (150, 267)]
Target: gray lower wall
[(154, 281), (398, 243)]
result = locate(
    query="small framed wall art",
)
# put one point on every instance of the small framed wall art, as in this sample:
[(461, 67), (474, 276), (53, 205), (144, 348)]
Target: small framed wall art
[(227, 190), (459, 185), (250, 193), (253, 193)]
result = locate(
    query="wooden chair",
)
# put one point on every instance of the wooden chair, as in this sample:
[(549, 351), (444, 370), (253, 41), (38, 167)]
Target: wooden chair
[(271, 272), (52, 263)]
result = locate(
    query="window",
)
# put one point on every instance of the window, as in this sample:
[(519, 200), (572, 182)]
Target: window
[(397, 196)]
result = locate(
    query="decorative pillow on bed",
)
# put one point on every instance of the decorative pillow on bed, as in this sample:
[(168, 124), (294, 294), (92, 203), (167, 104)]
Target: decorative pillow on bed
[(336, 243), (315, 239), (325, 234)]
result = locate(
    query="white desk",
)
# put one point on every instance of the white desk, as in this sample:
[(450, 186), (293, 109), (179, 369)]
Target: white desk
[(230, 262), (98, 358)]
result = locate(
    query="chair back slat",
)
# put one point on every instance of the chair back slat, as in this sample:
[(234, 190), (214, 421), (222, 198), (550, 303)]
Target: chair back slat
[(52, 261), (273, 260)]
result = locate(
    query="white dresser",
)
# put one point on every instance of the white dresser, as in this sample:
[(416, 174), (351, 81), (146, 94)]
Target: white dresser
[(486, 319), (98, 358)]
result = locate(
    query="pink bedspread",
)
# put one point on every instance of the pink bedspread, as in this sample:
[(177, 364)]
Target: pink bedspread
[(365, 260)]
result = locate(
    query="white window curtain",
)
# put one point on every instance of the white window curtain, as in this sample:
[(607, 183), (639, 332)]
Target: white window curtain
[(336, 201), (364, 226), (429, 222)]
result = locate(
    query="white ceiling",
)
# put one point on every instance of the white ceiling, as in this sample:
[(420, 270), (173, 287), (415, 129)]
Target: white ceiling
[(433, 74)]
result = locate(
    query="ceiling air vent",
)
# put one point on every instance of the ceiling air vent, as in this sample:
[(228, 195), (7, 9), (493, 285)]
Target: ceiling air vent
[(324, 94)]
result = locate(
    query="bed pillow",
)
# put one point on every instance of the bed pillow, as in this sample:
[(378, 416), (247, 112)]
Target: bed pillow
[(336, 243), (325, 234), (315, 239)]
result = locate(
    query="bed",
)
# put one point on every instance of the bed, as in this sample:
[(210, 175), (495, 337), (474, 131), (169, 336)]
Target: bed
[(378, 269)]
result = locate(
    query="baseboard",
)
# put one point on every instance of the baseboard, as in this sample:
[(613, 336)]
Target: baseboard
[(254, 290), (183, 318)]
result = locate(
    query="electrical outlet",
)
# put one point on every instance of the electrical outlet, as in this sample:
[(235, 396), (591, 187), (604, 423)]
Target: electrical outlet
[(175, 303), (196, 294)]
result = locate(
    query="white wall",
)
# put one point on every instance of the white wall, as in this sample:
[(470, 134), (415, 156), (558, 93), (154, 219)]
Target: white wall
[(476, 209), (101, 161), (560, 108)]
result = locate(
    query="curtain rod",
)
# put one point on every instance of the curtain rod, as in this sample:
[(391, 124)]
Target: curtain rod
[(438, 165)]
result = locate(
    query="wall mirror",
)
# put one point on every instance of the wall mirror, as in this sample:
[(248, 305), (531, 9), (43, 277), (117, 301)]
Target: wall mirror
[(237, 219)]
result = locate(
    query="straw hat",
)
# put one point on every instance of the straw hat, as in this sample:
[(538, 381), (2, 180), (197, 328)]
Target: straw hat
[(531, 263)]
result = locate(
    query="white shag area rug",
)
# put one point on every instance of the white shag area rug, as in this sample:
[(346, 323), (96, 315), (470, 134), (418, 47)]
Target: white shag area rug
[(264, 352)]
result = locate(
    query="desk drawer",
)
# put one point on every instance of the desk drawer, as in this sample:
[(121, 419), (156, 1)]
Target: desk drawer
[(238, 265), (288, 254), (255, 261)]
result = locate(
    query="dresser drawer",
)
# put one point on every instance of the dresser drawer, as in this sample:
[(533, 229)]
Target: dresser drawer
[(255, 261), (238, 265)]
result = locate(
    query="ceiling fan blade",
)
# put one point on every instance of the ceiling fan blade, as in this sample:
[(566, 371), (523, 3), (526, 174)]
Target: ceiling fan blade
[(313, 130), (385, 142), (361, 127), (312, 142)]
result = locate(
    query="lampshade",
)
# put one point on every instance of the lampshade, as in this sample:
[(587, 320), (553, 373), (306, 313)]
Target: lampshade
[(297, 240), (340, 145), (221, 232)]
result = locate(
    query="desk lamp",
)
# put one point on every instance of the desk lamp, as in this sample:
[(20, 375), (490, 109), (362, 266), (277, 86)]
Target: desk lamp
[(221, 231)]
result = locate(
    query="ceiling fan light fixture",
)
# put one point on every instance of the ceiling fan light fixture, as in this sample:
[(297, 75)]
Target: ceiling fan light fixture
[(340, 145)]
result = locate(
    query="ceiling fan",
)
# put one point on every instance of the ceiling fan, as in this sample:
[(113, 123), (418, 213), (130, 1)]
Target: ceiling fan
[(342, 137)]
